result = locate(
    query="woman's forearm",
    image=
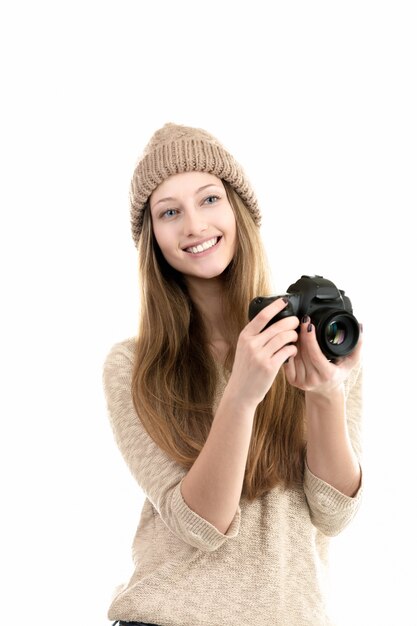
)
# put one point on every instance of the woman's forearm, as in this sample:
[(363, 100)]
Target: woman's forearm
[(330, 455), (213, 486)]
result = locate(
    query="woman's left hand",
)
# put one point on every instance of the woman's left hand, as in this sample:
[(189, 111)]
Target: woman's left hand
[(311, 371)]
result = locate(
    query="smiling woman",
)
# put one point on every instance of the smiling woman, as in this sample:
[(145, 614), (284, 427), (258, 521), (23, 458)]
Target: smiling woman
[(244, 439)]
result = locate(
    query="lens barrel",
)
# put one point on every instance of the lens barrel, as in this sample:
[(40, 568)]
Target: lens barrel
[(337, 332)]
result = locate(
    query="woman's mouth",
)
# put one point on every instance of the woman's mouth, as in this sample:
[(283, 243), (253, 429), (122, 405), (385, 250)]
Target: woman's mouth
[(204, 248)]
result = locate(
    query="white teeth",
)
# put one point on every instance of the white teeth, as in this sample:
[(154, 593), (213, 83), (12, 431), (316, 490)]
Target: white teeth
[(203, 246)]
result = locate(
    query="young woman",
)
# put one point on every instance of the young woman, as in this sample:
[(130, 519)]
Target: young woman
[(244, 441)]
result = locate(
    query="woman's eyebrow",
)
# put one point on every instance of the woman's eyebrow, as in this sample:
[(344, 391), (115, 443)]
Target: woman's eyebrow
[(170, 198)]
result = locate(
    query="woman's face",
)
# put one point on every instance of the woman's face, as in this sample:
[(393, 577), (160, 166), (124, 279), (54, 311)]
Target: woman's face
[(194, 224)]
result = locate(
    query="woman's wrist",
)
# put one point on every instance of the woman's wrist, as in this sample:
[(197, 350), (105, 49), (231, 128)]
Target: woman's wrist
[(325, 397), (234, 396)]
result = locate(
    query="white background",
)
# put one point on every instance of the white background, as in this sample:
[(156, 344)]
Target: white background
[(318, 102)]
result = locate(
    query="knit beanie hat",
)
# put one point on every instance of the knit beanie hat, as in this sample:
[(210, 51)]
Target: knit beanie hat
[(174, 149)]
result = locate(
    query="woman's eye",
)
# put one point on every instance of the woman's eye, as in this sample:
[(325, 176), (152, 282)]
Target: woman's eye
[(169, 213), (212, 199)]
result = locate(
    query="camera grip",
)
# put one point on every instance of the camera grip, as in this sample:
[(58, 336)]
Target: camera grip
[(259, 303)]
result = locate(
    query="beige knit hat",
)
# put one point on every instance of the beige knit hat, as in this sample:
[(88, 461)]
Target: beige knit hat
[(174, 149)]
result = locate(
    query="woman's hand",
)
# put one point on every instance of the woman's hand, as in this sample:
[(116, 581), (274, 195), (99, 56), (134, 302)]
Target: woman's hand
[(260, 353), (311, 371)]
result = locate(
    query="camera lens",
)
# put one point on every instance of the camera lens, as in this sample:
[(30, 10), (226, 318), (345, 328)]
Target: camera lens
[(337, 333)]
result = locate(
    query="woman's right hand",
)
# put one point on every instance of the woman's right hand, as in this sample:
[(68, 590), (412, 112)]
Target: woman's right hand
[(260, 354)]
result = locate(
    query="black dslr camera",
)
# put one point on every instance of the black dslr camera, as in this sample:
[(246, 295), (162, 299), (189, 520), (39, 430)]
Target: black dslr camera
[(337, 330)]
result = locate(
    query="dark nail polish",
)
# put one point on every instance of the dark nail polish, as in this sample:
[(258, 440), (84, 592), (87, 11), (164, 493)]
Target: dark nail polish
[(309, 328), (305, 319), (285, 299)]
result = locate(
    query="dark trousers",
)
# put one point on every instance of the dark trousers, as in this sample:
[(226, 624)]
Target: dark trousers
[(133, 624)]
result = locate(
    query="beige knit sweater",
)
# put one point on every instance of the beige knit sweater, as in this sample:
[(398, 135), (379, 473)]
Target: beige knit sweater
[(269, 569)]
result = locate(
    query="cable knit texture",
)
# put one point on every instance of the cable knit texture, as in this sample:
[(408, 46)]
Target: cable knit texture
[(269, 569), (174, 149)]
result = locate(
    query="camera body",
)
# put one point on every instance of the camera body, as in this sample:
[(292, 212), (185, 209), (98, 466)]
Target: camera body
[(330, 310)]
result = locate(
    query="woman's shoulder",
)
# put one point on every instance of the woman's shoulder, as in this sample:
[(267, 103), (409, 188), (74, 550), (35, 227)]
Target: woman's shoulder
[(124, 349)]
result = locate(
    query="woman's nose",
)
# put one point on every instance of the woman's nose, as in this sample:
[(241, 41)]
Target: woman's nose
[(193, 223)]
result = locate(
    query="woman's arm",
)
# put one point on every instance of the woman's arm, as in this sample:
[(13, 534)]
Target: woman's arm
[(330, 455), (213, 486)]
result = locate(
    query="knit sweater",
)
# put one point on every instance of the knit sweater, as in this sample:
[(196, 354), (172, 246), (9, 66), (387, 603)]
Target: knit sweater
[(268, 569)]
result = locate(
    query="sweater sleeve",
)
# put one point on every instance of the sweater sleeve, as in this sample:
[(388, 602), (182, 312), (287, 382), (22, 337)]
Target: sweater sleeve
[(157, 474), (330, 510)]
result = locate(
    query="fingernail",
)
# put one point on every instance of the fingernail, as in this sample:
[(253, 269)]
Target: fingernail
[(285, 299), (309, 328), (305, 319)]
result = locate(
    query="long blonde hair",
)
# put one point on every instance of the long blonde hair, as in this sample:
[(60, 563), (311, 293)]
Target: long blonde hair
[(174, 405)]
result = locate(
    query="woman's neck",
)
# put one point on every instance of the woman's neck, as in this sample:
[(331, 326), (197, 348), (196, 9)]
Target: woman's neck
[(207, 295)]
